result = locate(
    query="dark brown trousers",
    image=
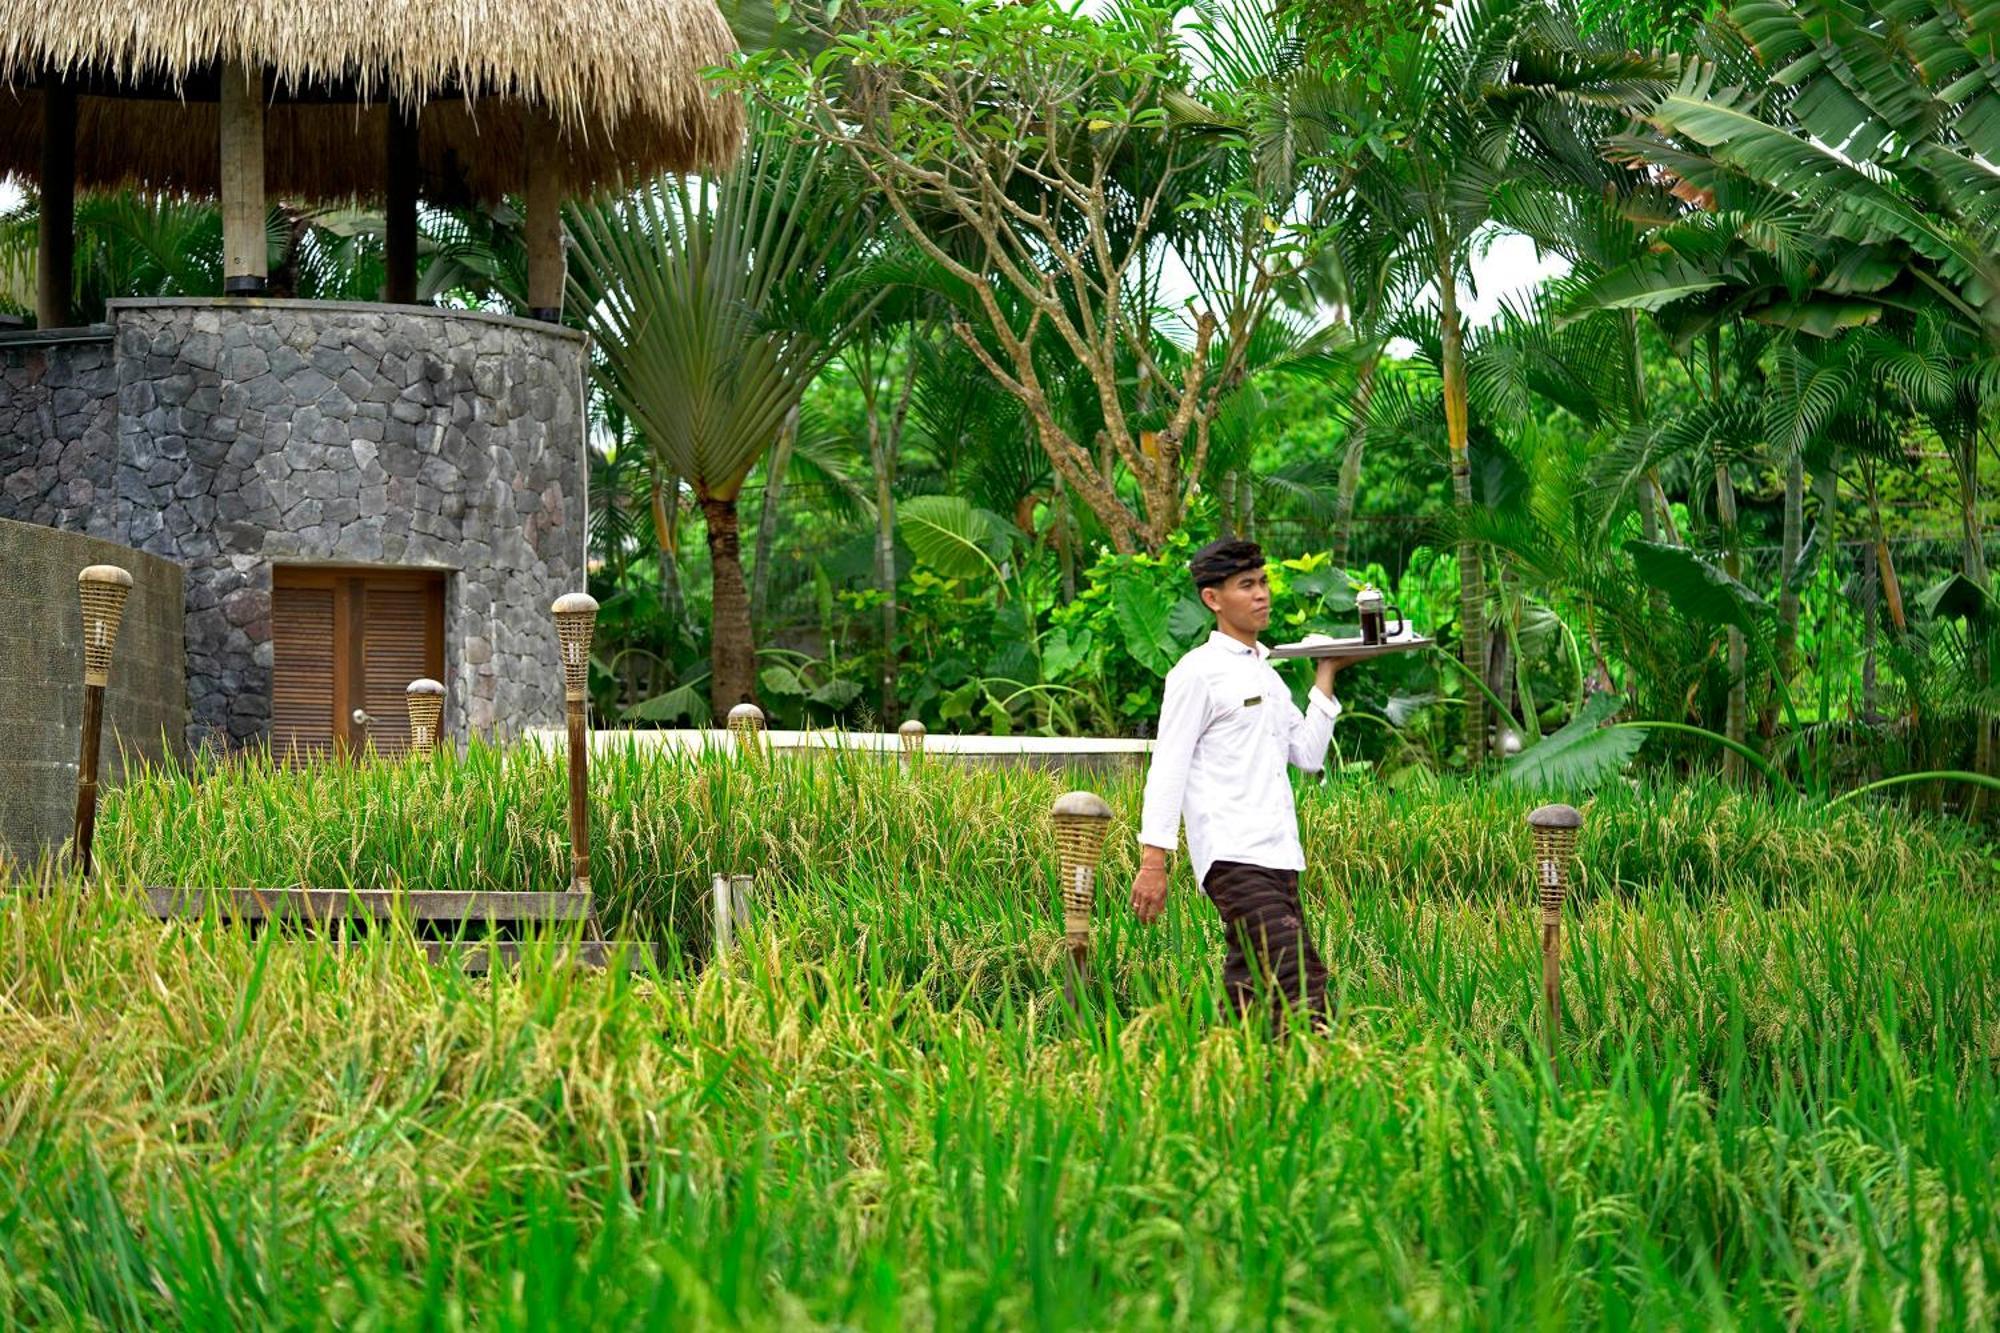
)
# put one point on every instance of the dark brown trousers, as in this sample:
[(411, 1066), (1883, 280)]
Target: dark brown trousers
[(1272, 966)]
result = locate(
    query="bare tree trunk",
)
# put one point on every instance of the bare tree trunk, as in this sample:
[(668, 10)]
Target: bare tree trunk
[(1791, 542), (1871, 595), (1649, 516), (884, 454), (775, 468), (732, 652), (1974, 561), (882, 460), (1471, 577), (1736, 724), (1065, 553), (1511, 601), (1651, 504), (1350, 464), (1670, 529), (1972, 540), (1892, 588)]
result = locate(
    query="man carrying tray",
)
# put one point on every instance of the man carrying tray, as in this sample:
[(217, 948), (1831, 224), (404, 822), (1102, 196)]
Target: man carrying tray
[(1228, 730)]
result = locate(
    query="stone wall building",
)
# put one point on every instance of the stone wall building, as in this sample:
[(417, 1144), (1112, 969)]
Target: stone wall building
[(354, 492)]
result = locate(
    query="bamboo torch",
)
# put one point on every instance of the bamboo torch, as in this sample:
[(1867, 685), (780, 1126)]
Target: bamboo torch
[(746, 724), (102, 589), (1555, 831), (1081, 820), (425, 699), (576, 617)]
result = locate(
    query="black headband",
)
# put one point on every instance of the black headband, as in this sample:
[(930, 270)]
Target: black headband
[(1220, 560)]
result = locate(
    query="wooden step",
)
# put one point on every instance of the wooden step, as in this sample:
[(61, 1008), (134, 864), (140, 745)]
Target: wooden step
[(298, 904)]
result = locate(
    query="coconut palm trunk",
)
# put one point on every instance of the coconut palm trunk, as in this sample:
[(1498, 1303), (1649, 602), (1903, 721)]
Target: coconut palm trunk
[(1471, 577)]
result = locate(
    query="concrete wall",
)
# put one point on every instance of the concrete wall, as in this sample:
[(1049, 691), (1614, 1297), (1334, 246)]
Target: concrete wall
[(41, 678), (245, 434)]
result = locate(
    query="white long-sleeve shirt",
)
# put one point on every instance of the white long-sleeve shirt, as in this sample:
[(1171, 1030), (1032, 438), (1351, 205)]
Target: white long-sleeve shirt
[(1228, 729)]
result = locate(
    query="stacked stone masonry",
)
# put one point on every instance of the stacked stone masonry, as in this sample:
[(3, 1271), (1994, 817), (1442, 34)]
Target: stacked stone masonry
[(58, 428), (235, 436)]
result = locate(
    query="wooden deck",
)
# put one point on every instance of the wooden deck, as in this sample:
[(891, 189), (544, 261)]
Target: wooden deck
[(301, 904), (473, 912)]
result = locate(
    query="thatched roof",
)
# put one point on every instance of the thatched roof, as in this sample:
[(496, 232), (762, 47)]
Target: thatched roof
[(622, 77)]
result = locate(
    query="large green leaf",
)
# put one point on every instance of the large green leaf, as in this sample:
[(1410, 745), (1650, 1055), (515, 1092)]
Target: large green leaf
[(1145, 619), (1957, 596), (836, 694), (782, 679), (689, 701), (1699, 589), (1647, 283), (1189, 621), (1581, 755), (947, 533), (1820, 318)]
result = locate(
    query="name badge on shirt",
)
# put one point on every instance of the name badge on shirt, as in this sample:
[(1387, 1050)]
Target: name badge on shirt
[(1253, 701)]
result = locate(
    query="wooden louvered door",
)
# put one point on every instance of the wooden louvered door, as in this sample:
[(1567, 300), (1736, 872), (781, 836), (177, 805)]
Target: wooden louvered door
[(402, 638), (346, 644), (304, 669)]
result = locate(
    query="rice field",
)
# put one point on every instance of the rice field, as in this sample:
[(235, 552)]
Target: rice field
[(1775, 1104)]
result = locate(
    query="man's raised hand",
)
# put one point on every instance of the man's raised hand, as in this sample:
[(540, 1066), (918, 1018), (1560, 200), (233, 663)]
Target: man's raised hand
[(1149, 892)]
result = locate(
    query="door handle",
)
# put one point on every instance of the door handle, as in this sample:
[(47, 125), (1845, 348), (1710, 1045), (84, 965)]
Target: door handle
[(361, 718)]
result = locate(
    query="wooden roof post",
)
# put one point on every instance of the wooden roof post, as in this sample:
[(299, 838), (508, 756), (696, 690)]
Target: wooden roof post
[(245, 256), (401, 175), (544, 220), (57, 259)]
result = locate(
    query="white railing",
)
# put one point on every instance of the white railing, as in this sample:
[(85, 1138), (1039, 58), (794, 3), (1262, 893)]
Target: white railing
[(1043, 749)]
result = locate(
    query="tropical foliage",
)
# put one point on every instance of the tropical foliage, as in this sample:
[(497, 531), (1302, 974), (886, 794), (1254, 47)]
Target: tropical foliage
[(1007, 307)]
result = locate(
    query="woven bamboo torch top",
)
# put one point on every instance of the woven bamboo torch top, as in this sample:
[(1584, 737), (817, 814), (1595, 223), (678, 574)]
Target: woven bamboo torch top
[(1081, 819), (102, 589), (423, 685), (911, 728), (1556, 817), (104, 574), (746, 717), (576, 616), (1080, 805)]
